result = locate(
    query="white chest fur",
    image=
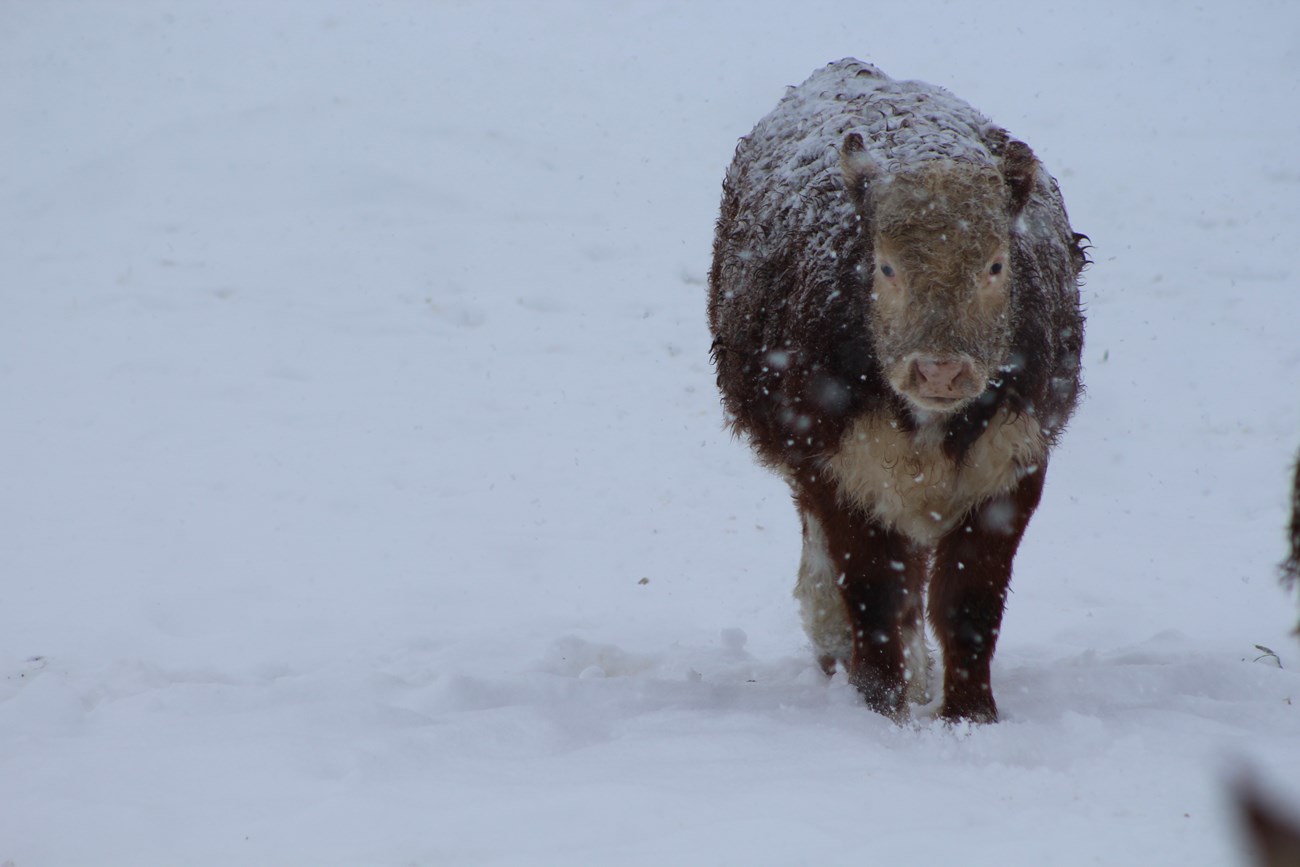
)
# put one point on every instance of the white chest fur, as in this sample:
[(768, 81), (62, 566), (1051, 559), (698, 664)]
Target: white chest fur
[(907, 481)]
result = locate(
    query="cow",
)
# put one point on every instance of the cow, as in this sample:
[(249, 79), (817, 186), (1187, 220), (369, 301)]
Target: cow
[(1271, 830), (1290, 568), (894, 305)]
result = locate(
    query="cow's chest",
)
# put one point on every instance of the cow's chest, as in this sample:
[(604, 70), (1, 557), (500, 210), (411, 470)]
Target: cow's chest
[(906, 481)]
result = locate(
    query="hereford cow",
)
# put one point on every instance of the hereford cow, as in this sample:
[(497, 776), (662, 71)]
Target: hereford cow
[(894, 302), (1291, 566)]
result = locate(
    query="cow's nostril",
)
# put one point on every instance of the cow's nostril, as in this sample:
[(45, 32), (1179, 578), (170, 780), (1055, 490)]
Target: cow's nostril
[(939, 375)]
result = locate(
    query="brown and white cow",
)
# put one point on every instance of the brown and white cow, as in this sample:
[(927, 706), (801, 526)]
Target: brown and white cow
[(1291, 565), (894, 301)]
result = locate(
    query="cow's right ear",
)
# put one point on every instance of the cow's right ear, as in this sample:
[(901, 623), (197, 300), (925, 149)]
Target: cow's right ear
[(858, 168)]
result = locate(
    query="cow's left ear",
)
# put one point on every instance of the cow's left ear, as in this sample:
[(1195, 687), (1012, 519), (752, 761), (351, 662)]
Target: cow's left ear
[(1020, 171), (859, 171)]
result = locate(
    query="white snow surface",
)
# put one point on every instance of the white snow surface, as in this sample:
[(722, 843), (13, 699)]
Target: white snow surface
[(366, 494)]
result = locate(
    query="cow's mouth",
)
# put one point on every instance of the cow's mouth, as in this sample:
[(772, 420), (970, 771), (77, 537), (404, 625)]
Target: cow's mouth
[(940, 405), (938, 384)]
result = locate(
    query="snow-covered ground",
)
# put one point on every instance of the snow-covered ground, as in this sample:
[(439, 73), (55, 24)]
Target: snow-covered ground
[(365, 494)]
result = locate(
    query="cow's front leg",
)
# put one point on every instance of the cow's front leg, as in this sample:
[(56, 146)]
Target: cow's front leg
[(883, 594), (968, 592), (881, 579)]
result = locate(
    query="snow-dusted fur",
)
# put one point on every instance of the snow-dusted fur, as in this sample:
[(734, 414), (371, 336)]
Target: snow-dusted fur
[(895, 308)]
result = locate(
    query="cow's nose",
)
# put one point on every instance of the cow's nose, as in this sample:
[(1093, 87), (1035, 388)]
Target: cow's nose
[(936, 378)]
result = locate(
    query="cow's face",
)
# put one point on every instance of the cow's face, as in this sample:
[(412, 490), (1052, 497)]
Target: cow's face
[(940, 283), (941, 276)]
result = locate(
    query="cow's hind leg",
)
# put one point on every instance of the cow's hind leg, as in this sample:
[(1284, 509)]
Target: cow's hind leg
[(968, 593), (820, 603)]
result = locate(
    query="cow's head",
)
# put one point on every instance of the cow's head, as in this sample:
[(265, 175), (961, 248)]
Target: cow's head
[(942, 315)]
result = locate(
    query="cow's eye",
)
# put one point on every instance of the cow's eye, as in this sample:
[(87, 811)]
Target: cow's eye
[(887, 270), (995, 268)]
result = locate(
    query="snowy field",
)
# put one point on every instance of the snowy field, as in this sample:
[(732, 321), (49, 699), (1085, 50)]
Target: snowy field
[(366, 499)]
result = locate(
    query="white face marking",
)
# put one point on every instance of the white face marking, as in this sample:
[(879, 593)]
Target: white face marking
[(938, 315)]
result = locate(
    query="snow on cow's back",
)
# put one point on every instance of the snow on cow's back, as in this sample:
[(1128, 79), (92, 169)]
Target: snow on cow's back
[(903, 123)]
